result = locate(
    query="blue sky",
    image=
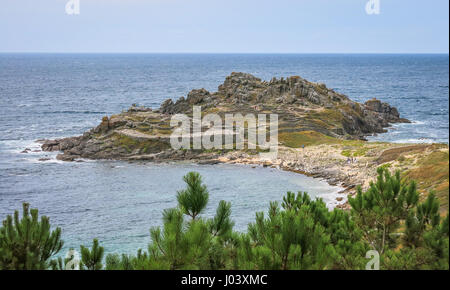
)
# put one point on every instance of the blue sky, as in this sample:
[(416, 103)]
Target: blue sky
[(225, 26)]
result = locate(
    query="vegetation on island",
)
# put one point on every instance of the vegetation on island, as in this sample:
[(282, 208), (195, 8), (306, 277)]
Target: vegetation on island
[(427, 164), (298, 233)]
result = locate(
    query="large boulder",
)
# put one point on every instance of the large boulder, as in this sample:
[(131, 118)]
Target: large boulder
[(388, 113)]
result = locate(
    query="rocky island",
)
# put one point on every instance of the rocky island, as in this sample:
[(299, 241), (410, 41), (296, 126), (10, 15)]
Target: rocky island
[(321, 133)]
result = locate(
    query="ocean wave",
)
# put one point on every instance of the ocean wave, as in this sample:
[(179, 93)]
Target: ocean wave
[(17, 146), (24, 105), (73, 112), (415, 140), (51, 159)]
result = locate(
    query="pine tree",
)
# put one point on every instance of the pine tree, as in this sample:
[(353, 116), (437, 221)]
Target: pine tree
[(92, 259), (223, 242), (292, 238), (194, 198), (437, 240), (120, 262), (195, 244), (426, 241), (379, 211), (346, 238), (180, 245), (28, 243), (425, 216), (221, 225)]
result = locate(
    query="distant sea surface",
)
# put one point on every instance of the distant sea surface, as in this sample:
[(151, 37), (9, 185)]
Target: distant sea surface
[(59, 95)]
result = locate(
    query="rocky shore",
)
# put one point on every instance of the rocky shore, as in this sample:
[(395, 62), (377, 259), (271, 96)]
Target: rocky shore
[(321, 132)]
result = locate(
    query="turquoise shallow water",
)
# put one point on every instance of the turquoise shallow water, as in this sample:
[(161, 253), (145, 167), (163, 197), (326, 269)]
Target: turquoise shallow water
[(56, 95)]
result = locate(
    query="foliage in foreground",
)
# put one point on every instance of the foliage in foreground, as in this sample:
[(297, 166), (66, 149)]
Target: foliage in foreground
[(28, 243), (299, 233)]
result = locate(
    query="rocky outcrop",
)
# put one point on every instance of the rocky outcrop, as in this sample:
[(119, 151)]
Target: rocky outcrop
[(143, 134), (383, 111), (307, 104)]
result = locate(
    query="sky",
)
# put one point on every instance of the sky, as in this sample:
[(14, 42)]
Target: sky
[(225, 26)]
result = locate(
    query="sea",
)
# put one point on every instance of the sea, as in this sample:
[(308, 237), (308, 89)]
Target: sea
[(61, 95)]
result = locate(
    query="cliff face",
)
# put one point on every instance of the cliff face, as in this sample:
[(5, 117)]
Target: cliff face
[(301, 106)]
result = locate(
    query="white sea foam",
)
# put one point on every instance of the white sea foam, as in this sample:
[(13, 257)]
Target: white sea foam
[(415, 141), (17, 146)]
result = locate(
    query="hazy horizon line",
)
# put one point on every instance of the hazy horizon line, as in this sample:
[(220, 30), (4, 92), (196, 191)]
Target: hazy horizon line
[(137, 52)]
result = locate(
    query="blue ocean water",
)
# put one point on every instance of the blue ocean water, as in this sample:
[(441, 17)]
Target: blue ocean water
[(57, 95)]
